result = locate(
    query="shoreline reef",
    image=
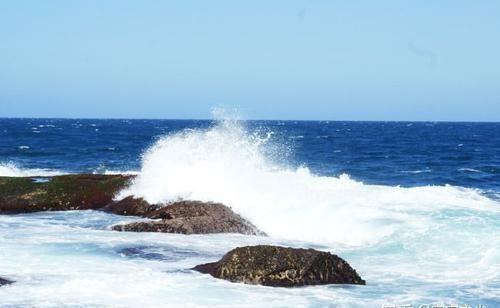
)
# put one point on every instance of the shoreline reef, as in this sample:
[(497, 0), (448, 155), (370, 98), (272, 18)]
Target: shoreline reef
[(262, 264)]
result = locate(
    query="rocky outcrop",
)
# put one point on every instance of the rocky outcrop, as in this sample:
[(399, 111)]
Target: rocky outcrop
[(131, 206), (59, 193), (92, 192), (192, 217), (4, 282), (281, 267)]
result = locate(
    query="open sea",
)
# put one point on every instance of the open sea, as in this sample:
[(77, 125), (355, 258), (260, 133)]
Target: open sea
[(414, 207)]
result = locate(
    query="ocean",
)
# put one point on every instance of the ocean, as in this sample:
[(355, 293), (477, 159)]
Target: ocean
[(414, 207)]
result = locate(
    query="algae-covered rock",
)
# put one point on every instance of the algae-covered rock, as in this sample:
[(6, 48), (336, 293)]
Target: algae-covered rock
[(191, 217), (58, 193), (281, 267)]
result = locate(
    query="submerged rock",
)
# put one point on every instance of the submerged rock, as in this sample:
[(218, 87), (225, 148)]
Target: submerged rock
[(5, 282), (281, 267), (160, 253), (192, 217), (59, 193)]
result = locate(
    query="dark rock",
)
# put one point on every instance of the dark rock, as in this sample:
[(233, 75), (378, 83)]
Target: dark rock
[(5, 282), (281, 267), (130, 206), (192, 217), (59, 193)]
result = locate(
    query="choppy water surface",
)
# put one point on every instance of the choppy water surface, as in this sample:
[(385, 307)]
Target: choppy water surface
[(413, 207)]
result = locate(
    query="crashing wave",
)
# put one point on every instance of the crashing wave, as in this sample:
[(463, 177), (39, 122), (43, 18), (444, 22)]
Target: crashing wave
[(229, 164)]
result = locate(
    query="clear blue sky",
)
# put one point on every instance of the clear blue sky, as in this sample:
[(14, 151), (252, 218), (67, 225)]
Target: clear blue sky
[(337, 60)]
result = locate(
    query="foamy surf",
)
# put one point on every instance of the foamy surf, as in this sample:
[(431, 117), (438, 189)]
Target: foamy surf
[(12, 170), (229, 164), (423, 245)]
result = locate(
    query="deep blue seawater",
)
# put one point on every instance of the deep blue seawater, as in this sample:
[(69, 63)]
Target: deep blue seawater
[(413, 206), (389, 153)]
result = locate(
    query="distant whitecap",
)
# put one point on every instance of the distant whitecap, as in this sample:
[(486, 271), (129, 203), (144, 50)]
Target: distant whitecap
[(469, 170)]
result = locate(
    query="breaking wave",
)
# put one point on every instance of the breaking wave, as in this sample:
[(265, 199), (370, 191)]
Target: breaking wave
[(9, 169), (232, 165)]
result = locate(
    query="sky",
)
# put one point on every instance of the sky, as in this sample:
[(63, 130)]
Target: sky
[(304, 60)]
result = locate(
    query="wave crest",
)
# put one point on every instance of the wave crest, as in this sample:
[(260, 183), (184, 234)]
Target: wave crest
[(229, 164)]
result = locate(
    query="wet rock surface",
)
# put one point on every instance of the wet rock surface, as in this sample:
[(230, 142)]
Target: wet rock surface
[(130, 206), (59, 193), (281, 267), (192, 217)]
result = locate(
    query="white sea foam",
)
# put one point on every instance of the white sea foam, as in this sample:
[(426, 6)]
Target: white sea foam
[(59, 260), (469, 170), (115, 172), (417, 171), (9, 169), (228, 164)]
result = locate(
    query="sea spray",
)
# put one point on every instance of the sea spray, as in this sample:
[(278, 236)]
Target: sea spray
[(227, 163)]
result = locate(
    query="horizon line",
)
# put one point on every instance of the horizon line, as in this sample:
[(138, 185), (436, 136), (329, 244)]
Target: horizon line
[(250, 120)]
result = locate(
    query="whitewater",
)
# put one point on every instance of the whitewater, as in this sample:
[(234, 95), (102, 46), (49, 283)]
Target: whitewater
[(413, 245), (229, 165)]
